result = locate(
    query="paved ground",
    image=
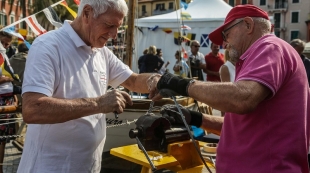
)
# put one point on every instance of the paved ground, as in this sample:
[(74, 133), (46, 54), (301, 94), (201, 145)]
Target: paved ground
[(12, 159)]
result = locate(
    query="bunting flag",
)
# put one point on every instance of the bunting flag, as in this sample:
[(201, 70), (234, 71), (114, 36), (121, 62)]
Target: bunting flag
[(185, 55), (52, 16), (179, 39), (185, 27), (32, 22), (167, 30), (73, 13), (153, 28), (183, 4), (77, 2), (185, 16)]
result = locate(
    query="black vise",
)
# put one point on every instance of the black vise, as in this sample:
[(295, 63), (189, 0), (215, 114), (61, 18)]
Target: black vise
[(155, 132)]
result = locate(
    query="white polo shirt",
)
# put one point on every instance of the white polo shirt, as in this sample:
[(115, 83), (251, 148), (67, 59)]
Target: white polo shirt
[(61, 65)]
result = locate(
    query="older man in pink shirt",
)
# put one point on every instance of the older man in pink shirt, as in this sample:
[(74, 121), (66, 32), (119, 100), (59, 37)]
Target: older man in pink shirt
[(265, 129)]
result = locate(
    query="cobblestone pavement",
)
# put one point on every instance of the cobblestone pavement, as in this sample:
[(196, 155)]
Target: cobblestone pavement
[(11, 159)]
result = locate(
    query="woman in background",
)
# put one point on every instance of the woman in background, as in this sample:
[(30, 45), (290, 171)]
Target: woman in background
[(180, 68)]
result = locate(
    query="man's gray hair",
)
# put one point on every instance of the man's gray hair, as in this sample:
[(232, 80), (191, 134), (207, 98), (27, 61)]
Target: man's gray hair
[(264, 24), (298, 43), (101, 6)]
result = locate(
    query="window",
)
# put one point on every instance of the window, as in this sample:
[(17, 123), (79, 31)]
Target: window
[(143, 8), (3, 19), (277, 33), (294, 35), (262, 2), (160, 7), (295, 1), (232, 3), (295, 16), (12, 19), (244, 2), (170, 5)]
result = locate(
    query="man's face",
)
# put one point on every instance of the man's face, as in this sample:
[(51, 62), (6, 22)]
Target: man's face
[(195, 47), (215, 49), (234, 39), (103, 27), (6, 42)]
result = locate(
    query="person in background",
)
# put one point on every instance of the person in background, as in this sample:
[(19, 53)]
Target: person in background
[(228, 70), (65, 95), (266, 125), (180, 68), (196, 61), (163, 69), (299, 46), (18, 62), (152, 62), (6, 39), (141, 64), (214, 60), (7, 92)]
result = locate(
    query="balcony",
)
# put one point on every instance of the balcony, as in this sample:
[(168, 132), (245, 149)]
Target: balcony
[(280, 29), (278, 7)]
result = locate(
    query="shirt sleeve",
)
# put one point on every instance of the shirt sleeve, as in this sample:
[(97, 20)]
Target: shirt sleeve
[(266, 65), (41, 69)]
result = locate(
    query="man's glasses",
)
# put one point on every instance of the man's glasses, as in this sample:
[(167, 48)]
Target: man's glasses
[(196, 46), (223, 32)]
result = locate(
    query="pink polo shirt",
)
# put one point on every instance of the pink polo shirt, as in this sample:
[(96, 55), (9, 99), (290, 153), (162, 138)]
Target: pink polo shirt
[(274, 137)]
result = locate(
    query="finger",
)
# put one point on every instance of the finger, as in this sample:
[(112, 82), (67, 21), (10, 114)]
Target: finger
[(127, 98), (156, 97), (119, 110)]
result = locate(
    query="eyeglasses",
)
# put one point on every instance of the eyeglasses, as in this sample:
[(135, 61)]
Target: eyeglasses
[(223, 32)]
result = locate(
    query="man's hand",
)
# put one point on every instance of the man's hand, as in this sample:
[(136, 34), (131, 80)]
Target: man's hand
[(152, 85), (114, 101), (171, 82), (172, 113)]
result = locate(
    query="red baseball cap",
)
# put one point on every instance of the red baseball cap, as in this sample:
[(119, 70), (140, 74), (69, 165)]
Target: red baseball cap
[(239, 11)]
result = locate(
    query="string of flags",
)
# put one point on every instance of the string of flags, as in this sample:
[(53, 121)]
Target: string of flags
[(50, 14)]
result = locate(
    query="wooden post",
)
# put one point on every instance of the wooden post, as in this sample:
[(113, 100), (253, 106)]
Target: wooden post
[(130, 32)]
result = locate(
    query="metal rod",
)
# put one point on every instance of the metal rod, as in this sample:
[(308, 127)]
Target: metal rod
[(146, 155), (189, 132)]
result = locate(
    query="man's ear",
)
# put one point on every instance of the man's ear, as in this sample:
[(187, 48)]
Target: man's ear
[(249, 24), (87, 12)]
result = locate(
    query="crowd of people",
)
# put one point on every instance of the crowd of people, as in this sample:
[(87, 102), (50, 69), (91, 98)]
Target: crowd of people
[(261, 83)]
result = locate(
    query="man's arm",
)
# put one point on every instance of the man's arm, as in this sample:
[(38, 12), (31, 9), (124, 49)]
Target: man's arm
[(240, 97), (40, 109), (214, 73), (4, 79), (212, 124), (138, 82)]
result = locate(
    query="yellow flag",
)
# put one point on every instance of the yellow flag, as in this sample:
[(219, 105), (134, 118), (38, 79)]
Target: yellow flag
[(73, 13)]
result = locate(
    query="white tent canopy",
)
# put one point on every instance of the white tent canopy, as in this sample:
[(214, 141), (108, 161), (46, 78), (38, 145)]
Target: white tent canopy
[(206, 15)]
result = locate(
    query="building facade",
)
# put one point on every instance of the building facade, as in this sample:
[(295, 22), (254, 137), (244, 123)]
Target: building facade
[(155, 7), (15, 15), (291, 18)]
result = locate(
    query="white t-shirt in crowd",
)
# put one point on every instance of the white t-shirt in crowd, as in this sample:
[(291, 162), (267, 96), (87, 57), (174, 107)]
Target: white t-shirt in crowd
[(61, 65)]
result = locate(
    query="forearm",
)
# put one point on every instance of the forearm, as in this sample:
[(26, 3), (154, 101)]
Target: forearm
[(138, 82), (48, 110), (224, 96), (212, 124), (209, 72)]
